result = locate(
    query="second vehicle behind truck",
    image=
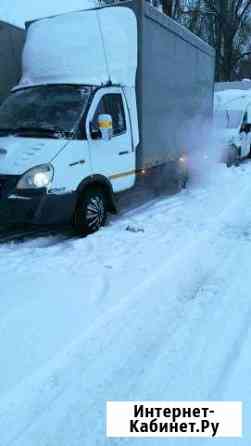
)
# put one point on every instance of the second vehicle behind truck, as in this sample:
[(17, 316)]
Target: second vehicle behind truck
[(232, 118)]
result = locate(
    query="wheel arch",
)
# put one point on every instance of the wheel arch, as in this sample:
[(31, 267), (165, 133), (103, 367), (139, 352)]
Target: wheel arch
[(102, 182)]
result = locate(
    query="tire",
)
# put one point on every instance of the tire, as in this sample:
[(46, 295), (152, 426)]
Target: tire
[(91, 211), (185, 181), (233, 157), (179, 184), (183, 178)]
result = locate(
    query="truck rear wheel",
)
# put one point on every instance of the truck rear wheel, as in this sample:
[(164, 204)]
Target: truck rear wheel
[(182, 177), (91, 211), (233, 157)]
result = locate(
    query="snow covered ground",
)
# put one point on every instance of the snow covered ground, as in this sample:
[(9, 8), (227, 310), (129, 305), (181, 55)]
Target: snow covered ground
[(158, 312)]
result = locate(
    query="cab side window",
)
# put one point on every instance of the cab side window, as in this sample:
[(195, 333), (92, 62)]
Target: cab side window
[(111, 104)]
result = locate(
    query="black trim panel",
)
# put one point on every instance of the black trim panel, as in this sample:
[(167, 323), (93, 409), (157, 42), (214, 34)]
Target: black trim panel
[(37, 209)]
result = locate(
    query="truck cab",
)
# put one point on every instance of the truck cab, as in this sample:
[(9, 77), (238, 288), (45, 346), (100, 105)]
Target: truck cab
[(73, 135)]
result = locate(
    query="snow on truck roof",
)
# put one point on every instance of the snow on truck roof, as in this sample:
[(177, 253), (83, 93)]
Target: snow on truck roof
[(80, 48)]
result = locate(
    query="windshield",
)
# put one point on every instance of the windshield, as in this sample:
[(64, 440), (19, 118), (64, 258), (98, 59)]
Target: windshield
[(228, 119), (51, 110)]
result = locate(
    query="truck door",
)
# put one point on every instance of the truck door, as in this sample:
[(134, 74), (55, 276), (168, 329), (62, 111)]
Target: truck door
[(114, 159)]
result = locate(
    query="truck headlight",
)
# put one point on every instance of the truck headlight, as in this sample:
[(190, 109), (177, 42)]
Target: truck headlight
[(183, 159), (37, 177)]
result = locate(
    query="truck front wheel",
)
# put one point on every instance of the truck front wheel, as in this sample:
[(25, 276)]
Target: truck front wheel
[(91, 211)]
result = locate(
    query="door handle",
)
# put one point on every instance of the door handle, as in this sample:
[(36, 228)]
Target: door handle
[(124, 152)]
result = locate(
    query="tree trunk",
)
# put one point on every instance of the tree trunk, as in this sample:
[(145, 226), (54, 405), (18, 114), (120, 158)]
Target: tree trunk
[(168, 7)]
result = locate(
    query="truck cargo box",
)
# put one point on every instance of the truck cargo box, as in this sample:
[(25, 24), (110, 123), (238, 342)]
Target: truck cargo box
[(175, 84)]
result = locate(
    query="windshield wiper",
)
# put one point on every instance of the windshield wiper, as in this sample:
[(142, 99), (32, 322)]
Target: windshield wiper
[(49, 132)]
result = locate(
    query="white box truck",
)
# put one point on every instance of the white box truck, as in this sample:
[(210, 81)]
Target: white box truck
[(109, 100)]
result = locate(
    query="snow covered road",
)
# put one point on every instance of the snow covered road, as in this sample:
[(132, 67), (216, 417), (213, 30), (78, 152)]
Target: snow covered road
[(158, 312)]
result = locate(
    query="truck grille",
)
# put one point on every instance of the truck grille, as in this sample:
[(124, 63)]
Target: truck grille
[(7, 184)]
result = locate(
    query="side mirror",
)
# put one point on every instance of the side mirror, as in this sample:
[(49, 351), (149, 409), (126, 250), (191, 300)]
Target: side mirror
[(105, 126)]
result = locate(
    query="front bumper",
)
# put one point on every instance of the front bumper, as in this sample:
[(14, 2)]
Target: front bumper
[(34, 207)]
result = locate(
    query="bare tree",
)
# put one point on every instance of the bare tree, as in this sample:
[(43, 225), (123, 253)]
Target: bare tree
[(224, 24), (168, 7), (231, 33), (172, 7)]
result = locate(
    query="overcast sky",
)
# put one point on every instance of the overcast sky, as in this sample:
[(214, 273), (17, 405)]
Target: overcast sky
[(19, 11)]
